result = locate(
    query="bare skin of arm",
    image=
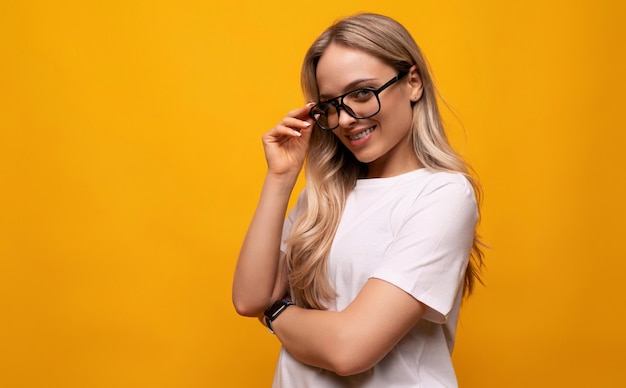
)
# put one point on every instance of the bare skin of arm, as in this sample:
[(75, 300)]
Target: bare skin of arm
[(355, 339), (260, 276)]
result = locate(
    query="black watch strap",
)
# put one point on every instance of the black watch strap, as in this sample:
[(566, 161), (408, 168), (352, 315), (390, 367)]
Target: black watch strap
[(274, 311)]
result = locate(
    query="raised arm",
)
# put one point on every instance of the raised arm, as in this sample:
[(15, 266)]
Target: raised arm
[(260, 276)]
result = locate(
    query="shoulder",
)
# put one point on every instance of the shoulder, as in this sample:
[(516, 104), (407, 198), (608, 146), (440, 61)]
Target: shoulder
[(442, 184), (442, 195), (433, 178)]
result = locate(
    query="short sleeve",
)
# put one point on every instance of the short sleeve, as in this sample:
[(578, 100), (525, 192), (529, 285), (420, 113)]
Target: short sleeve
[(292, 216), (432, 244)]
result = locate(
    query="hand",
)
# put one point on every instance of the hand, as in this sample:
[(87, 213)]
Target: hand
[(286, 144)]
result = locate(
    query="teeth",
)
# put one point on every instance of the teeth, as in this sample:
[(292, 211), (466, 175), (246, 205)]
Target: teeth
[(361, 135)]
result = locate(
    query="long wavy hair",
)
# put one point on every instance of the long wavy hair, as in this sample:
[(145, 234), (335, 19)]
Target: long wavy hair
[(332, 170)]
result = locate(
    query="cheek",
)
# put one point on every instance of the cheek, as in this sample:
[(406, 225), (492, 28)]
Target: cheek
[(400, 117)]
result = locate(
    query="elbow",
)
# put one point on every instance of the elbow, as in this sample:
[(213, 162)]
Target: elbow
[(352, 356), (246, 308), (351, 364), (347, 370)]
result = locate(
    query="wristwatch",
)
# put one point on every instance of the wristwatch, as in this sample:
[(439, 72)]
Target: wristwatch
[(274, 311)]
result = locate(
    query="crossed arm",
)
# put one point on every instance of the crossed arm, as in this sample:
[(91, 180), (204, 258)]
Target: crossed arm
[(355, 339)]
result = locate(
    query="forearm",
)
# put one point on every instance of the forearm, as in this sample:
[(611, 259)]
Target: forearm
[(258, 268), (325, 339), (311, 336), (355, 339)]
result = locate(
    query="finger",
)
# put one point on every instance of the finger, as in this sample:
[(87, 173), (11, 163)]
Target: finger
[(296, 123), (281, 131), (302, 112)]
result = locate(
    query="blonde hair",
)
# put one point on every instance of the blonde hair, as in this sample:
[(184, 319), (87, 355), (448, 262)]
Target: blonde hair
[(332, 170)]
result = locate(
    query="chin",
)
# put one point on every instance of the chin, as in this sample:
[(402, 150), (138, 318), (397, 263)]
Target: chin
[(365, 158)]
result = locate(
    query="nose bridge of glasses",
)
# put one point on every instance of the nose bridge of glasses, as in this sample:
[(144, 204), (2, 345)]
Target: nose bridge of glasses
[(334, 115), (347, 116), (340, 104)]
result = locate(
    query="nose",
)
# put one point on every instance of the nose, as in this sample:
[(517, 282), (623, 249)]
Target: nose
[(345, 119)]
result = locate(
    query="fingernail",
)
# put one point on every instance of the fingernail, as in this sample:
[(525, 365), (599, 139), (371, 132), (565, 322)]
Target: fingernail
[(310, 104), (306, 124), (296, 133)]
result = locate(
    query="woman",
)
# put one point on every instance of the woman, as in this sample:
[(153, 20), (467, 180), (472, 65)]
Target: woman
[(381, 245)]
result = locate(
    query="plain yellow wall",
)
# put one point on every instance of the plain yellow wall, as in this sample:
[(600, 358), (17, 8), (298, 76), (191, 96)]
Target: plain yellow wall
[(131, 161)]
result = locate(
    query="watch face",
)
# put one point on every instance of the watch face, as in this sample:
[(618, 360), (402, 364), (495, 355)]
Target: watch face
[(277, 308), (274, 311)]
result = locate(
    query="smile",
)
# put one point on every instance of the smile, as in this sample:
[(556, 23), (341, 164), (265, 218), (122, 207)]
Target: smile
[(361, 135)]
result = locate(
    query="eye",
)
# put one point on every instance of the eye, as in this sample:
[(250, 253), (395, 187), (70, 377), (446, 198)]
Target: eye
[(362, 94)]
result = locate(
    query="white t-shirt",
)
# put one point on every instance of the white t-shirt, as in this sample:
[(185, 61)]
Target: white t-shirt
[(415, 231)]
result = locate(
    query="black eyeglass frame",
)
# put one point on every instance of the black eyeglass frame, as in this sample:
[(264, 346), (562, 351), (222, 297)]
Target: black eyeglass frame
[(337, 102)]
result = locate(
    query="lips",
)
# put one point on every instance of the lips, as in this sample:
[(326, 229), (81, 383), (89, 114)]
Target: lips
[(361, 135)]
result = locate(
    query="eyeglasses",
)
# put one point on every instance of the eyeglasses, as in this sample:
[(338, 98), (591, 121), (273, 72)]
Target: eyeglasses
[(361, 104)]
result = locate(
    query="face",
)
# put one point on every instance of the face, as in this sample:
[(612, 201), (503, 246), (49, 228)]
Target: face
[(382, 140)]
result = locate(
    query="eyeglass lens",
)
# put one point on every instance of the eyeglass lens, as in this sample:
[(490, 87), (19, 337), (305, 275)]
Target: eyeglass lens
[(360, 104)]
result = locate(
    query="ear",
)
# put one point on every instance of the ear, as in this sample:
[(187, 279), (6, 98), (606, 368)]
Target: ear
[(415, 83)]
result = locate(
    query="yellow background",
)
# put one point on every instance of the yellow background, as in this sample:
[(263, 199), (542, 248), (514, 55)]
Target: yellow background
[(131, 161)]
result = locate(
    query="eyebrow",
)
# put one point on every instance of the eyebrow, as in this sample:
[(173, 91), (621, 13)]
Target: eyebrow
[(349, 87)]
